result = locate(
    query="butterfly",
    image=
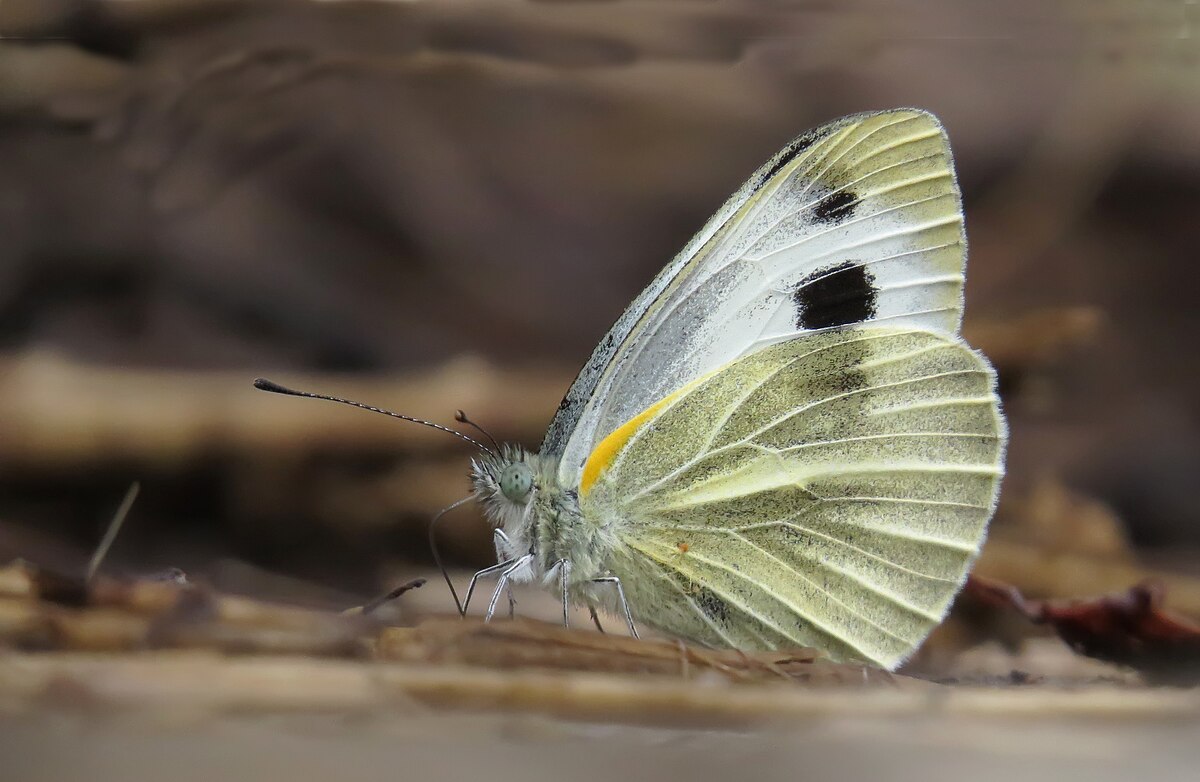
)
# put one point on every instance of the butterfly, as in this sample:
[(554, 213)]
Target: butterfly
[(783, 441)]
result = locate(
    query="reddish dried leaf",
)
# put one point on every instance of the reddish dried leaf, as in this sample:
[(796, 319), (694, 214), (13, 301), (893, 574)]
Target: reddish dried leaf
[(1131, 629)]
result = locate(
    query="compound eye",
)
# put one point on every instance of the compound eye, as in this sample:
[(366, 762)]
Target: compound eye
[(516, 482)]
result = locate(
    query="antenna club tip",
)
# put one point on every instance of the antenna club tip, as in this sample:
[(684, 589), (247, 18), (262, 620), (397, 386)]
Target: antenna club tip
[(263, 384), (460, 416)]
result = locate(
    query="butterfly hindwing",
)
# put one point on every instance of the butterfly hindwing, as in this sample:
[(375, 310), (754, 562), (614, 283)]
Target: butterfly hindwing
[(858, 221), (828, 491)]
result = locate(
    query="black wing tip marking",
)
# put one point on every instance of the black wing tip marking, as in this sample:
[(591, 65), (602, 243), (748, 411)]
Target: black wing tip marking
[(837, 295), (787, 155)]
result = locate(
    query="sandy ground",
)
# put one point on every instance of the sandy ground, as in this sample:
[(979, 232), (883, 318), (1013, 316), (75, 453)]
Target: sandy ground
[(425, 745)]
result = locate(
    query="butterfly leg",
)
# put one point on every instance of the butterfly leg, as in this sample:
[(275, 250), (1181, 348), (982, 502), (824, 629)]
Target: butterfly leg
[(621, 598), (487, 571), (595, 617), (503, 583), (503, 547), (564, 571)]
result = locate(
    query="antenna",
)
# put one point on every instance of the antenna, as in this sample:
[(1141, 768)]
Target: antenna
[(262, 384), (461, 417)]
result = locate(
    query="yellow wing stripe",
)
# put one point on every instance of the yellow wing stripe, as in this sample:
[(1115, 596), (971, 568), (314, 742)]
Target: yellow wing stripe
[(603, 455)]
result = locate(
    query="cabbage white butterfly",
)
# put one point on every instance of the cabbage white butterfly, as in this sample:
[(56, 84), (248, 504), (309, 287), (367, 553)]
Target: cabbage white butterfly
[(782, 441)]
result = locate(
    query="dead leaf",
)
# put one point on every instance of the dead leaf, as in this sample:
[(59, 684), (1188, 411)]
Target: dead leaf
[(1132, 629)]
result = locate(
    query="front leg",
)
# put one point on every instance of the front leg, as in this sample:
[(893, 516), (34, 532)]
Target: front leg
[(504, 548), (505, 583), (499, 567)]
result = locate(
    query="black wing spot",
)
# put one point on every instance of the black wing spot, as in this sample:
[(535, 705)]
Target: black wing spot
[(835, 296), (835, 207)]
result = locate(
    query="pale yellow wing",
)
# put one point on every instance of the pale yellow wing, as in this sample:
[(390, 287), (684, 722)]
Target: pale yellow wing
[(831, 491)]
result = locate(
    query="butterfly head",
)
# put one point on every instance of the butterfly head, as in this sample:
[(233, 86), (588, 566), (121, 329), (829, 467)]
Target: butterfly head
[(514, 486), (504, 482)]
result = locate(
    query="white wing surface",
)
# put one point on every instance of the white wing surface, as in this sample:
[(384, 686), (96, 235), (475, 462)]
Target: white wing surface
[(859, 221)]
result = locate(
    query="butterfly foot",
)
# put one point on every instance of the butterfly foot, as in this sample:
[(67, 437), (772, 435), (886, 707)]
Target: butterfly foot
[(621, 600)]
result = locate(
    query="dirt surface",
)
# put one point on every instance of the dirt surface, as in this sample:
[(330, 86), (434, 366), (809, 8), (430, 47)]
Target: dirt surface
[(904, 747)]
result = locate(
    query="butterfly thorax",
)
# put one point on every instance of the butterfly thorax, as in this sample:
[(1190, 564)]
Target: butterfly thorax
[(521, 495)]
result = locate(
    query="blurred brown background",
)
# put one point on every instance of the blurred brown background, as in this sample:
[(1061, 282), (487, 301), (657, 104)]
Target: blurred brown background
[(440, 205)]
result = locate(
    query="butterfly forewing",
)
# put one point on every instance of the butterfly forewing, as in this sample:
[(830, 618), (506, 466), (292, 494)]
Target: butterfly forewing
[(857, 221), (830, 491)]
